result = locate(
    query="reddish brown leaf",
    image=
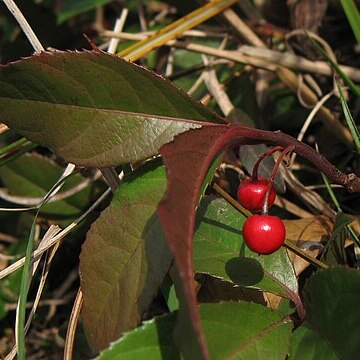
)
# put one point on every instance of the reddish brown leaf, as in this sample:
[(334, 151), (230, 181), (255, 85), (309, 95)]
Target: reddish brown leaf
[(187, 160)]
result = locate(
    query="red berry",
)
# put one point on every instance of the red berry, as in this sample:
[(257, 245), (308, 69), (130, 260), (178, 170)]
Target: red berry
[(264, 234), (251, 193)]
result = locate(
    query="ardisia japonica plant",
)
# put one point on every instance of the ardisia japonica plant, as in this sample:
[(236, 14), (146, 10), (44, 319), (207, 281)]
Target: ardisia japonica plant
[(221, 273), (74, 117)]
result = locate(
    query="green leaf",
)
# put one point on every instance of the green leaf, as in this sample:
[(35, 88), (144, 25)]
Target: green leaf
[(308, 344), (32, 176), (124, 259), (353, 16), (169, 294), (94, 109), (219, 250), (232, 330), (152, 341), (334, 252), (331, 299), (72, 8), (354, 88), (349, 120), (245, 331)]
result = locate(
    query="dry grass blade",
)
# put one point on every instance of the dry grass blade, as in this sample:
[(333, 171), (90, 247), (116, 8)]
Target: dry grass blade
[(26, 28), (291, 80), (215, 89), (176, 29), (114, 41), (29, 267), (51, 242), (52, 231), (297, 62), (3, 128), (34, 202), (71, 330)]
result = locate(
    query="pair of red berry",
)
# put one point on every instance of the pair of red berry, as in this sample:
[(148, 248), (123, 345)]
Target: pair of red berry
[(263, 234)]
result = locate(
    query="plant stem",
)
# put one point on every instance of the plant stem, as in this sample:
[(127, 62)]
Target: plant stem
[(261, 157), (285, 152), (243, 134), (231, 200), (297, 251)]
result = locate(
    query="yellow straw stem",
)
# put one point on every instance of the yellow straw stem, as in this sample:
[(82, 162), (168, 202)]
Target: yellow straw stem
[(175, 29)]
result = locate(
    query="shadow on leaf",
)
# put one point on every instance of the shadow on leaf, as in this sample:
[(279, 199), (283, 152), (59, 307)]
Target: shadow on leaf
[(165, 328), (244, 271)]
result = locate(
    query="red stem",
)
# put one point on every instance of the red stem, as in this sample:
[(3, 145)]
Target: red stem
[(261, 157), (282, 156)]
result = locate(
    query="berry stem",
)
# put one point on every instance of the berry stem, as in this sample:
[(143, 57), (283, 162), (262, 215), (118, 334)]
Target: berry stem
[(284, 154), (261, 157)]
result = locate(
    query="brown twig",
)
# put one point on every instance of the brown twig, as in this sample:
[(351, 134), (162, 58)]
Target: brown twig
[(238, 133)]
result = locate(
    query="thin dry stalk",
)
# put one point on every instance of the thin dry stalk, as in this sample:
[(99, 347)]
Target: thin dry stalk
[(25, 27), (145, 34), (119, 25), (251, 55), (216, 90), (309, 120), (313, 200), (71, 330), (291, 80), (51, 242), (36, 201), (52, 231)]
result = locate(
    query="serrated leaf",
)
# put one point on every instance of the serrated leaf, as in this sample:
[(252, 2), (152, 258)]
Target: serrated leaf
[(331, 299), (94, 109), (32, 176), (153, 341), (124, 259), (233, 331), (219, 250)]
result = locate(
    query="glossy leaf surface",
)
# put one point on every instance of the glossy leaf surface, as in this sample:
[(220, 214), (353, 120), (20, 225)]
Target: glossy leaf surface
[(94, 109), (219, 250), (233, 330), (124, 259)]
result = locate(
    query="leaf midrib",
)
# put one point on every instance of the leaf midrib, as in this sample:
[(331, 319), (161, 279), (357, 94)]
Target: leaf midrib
[(115, 111)]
